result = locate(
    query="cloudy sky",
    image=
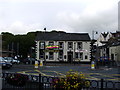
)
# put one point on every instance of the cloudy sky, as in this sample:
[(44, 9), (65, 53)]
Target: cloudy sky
[(22, 16)]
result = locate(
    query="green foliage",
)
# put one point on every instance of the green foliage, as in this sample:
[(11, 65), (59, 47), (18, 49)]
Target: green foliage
[(25, 42), (72, 81), (7, 38)]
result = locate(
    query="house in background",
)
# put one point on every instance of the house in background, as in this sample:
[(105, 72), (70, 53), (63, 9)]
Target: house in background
[(61, 46), (103, 38), (114, 52), (108, 45)]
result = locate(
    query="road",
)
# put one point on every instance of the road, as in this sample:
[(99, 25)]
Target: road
[(60, 70)]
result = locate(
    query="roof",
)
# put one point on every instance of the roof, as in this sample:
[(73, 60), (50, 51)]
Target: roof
[(62, 36), (104, 34)]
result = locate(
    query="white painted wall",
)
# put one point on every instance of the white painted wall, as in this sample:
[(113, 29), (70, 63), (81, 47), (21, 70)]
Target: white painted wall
[(86, 46), (116, 51)]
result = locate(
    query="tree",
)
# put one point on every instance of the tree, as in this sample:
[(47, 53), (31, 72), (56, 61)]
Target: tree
[(21, 44)]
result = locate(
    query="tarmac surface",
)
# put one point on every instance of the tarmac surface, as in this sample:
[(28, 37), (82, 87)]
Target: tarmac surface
[(57, 70)]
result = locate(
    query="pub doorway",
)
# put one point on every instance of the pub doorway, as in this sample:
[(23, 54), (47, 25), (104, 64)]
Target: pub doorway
[(70, 57)]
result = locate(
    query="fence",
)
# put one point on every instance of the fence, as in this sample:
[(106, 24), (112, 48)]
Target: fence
[(45, 83)]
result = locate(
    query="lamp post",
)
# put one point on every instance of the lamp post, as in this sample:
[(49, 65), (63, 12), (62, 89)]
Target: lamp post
[(92, 48), (44, 46), (74, 52), (92, 42)]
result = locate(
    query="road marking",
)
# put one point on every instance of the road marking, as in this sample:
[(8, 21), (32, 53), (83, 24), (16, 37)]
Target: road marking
[(96, 76), (107, 77)]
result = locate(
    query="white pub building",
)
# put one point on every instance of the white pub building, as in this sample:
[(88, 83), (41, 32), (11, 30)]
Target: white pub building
[(63, 47)]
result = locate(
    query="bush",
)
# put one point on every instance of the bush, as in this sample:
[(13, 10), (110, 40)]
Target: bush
[(17, 79), (71, 81)]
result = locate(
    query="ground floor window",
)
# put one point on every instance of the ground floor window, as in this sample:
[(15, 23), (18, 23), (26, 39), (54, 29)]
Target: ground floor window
[(76, 55), (51, 55), (41, 54), (61, 54), (79, 55), (86, 57)]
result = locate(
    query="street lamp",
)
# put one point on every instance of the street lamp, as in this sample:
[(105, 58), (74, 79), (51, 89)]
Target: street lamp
[(92, 48), (92, 42), (44, 46)]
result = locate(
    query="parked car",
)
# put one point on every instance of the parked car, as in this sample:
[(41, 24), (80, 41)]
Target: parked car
[(5, 64), (12, 60), (7, 60), (30, 61)]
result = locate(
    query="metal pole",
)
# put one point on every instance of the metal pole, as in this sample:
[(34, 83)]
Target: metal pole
[(101, 84), (93, 35), (44, 46), (74, 52), (40, 83)]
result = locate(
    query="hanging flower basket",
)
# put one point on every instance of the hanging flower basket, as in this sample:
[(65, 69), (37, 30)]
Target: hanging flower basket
[(17, 79), (71, 81)]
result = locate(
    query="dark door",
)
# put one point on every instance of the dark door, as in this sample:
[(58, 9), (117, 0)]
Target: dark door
[(70, 57), (112, 56)]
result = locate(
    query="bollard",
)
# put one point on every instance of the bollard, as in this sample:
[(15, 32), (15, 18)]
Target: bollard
[(36, 64), (41, 63), (92, 65)]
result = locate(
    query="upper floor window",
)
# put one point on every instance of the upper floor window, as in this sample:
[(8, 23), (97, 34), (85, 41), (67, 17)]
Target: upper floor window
[(41, 45), (70, 45), (51, 43), (60, 44), (79, 44)]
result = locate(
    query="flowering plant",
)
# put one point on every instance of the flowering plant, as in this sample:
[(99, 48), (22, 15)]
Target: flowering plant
[(17, 79), (71, 81)]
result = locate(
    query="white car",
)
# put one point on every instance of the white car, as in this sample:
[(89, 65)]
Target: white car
[(6, 59), (5, 64), (16, 61), (12, 60)]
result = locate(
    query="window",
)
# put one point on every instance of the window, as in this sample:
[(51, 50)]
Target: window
[(70, 45), (76, 55), (41, 54), (79, 44), (61, 54), (86, 57), (60, 45), (65, 57), (81, 56), (51, 43), (46, 56), (51, 55), (41, 45)]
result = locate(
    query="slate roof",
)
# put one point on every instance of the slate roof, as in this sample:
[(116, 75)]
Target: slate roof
[(104, 34), (62, 36)]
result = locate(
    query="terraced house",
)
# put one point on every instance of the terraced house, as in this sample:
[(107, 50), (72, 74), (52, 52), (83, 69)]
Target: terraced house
[(63, 47)]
